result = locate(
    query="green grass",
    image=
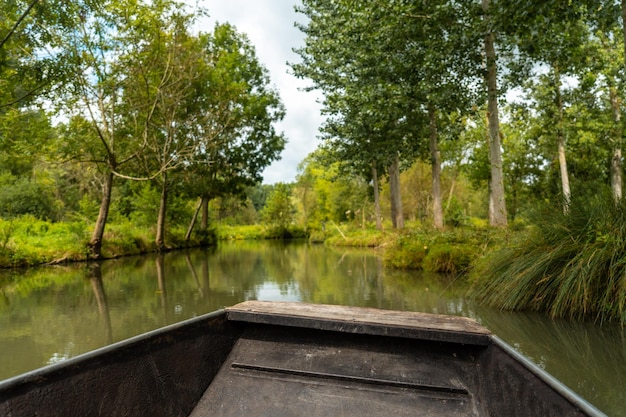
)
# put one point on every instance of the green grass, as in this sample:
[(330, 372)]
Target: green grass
[(568, 265), (28, 241), (258, 232), (449, 251)]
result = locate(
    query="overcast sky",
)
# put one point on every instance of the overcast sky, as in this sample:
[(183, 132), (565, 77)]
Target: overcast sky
[(269, 24)]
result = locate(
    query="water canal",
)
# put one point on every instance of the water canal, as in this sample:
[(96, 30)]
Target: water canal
[(50, 314)]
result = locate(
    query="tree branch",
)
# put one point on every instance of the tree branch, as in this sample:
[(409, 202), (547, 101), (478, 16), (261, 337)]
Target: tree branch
[(17, 23)]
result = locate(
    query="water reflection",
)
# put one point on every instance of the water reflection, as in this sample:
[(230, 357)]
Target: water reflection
[(53, 313)]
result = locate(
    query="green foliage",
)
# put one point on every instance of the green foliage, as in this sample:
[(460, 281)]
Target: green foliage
[(448, 258), (568, 265), (27, 240), (146, 199), (356, 237), (21, 195), (455, 215), (232, 210), (325, 192), (279, 210), (449, 251), (249, 232), (259, 232), (407, 252)]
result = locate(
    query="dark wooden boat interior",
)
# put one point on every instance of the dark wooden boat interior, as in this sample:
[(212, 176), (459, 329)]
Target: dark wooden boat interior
[(293, 359)]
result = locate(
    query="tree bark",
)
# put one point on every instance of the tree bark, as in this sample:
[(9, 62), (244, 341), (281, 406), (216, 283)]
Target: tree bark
[(561, 142), (436, 168), (160, 232), (204, 220), (379, 222), (616, 159), (497, 212), (95, 244), (397, 217), (192, 223)]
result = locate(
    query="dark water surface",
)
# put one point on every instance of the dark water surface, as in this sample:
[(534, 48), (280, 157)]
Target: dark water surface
[(53, 313)]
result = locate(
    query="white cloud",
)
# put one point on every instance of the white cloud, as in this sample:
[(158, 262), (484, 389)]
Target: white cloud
[(269, 24)]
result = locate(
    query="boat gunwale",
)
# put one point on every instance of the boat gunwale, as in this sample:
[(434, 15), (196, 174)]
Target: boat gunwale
[(562, 389), (41, 374)]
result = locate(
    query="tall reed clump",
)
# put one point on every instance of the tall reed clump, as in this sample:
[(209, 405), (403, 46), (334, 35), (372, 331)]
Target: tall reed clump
[(569, 264)]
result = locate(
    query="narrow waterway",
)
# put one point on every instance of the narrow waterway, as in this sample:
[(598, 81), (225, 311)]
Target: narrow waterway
[(50, 314)]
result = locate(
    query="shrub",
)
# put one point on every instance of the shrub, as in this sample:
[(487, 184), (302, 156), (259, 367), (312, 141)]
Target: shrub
[(448, 258), (21, 196), (406, 252)]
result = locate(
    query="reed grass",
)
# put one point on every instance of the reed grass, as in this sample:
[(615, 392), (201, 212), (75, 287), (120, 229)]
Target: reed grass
[(568, 265)]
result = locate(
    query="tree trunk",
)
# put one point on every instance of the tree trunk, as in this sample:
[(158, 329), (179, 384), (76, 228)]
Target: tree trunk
[(616, 159), (95, 244), (204, 223), (455, 174), (436, 168), (379, 221), (160, 232), (397, 217), (192, 223), (497, 212), (561, 142)]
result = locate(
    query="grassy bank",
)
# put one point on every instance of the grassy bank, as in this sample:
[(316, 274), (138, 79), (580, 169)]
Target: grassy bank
[(565, 265), (27, 241)]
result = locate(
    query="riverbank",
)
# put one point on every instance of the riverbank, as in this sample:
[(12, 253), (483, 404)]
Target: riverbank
[(27, 241), (508, 269)]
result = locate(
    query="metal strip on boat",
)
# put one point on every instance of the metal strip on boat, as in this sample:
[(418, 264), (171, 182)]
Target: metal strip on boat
[(355, 379), (554, 383)]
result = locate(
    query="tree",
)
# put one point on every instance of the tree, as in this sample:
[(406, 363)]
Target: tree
[(32, 56), (371, 121), (240, 112), (326, 192), (497, 202), (164, 108), (387, 70), (607, 49), (279, 210), (93, 99)]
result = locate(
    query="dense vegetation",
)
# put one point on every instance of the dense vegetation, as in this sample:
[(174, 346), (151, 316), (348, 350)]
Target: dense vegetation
[(117, 111), (449, 126), (523, 99)]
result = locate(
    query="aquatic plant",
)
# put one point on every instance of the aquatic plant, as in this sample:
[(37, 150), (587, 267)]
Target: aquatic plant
[(569, 264)]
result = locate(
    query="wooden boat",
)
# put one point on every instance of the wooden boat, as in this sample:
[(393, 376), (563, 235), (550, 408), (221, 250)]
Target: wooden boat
[(293, 359)]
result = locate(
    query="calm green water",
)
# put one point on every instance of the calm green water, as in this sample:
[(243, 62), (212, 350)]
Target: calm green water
[(53, 313)]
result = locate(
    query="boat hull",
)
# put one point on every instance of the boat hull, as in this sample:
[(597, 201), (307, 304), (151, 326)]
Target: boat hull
[(293, 359)]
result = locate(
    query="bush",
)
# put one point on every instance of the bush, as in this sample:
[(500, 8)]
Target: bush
[(21, 196), (407, 252), (448, 258)]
